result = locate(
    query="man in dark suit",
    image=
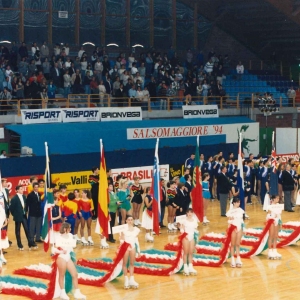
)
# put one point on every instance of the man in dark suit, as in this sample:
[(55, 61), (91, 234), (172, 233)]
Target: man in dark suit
[(287, 186), (6, 201), (55, 74), (17, 209), (163, 201), (223, 188), (33, 206)]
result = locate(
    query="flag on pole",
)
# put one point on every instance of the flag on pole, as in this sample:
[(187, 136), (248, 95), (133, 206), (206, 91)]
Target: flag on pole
[(273, 174), (49, 202), (103, 197), (196, 193), (240, 177), (156, 192)]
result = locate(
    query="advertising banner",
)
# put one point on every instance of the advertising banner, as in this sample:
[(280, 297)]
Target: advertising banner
[(40, 116), (200, 111), (144, 173), (120, 114), (250, 133), (73, 180), (12, 182), (80, 115)]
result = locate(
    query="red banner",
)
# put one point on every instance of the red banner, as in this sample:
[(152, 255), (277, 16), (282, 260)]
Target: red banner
[(12, 182)]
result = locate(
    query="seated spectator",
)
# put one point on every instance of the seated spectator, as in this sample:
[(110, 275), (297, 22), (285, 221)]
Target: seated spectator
[(291, 94), (32, 69), (67, 83), (86, 82), (209, 67), (134, 69), (46, 68), (80, 52), (162, 93), (56, 50), (140, 79), (7, 84), (116, 85), (5, 96), (139, 96), (102, 92), (142, 71), (76, 82), (146, 97), (120, 96), (239, 70)]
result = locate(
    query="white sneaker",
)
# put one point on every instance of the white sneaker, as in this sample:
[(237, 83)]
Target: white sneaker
[(78, 295), (186, 270), (132, 283), (63, 295)]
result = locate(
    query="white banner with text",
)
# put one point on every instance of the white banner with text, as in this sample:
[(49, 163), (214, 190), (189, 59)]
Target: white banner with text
[(200, 111), (120, 114)]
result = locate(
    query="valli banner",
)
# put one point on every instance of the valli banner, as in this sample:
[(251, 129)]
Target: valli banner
[(67, 115), (200, 111)]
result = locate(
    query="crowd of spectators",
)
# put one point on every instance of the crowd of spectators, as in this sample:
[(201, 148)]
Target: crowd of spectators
[(39, 74)]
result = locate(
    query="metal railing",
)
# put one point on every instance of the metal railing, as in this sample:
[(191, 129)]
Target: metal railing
[(155, 103)]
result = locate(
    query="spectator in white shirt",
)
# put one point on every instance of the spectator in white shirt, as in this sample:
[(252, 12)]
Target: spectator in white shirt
[(102, 92), (131, 60), (3, 154), (146, 97), (134, 69), (80, 52), (208, 68), (140, 79), (239, 70)]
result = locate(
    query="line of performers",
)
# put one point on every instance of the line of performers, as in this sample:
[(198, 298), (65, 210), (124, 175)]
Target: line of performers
[(186, 225)]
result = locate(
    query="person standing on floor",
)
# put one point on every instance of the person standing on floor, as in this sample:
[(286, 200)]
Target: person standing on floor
[(136, 200), (94, 182), (113, 205), (224, 187), (163, 202), (287, 187), (17, 209), (33, 206)]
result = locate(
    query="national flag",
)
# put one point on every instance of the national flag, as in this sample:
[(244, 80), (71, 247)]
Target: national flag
[(273, 174), (156, 192), (49, 202), (196, 193), (103, 196), (240, 177)]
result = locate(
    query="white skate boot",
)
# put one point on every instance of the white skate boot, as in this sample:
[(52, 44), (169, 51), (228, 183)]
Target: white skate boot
[(238, 262), (186, 270), (192, 271), (90, 241), (271, 254), (233, 264), (276, 254), (149, 238), (78, 240), (174, 227), (63, 295), (170, 228), (205, 221), (138, 222), (126, 283), (132, 283), (103, 244), (4, 261), (135, 223), (84, 241), (78, 295)]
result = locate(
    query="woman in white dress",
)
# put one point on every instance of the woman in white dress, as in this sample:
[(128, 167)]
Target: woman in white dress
[(130, 236), (147, 220), (189, 226), (236, 217), (64, 246), (275, 214)]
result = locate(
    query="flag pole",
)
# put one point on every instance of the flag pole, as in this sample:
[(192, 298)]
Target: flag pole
[(48, 185)]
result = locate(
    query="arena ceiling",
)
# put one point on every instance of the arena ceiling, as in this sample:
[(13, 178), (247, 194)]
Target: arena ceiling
[(263, 26)]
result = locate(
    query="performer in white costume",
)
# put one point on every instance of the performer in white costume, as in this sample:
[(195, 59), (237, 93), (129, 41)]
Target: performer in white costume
[(274, 213), (130, 236), (189, 226), (236, 217), (64, 246)]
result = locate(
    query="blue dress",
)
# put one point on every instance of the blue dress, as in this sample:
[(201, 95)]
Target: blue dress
[(205, 190)]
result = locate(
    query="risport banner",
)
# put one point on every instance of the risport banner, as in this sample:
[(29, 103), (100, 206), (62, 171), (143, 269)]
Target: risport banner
[(67, 115), (12, 182), (40, 116), (250, 133), (120, 114), (80, 115), (200, 111)]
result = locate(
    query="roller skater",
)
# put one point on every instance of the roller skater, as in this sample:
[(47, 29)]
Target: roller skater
[(147, 220), (171, 195)]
